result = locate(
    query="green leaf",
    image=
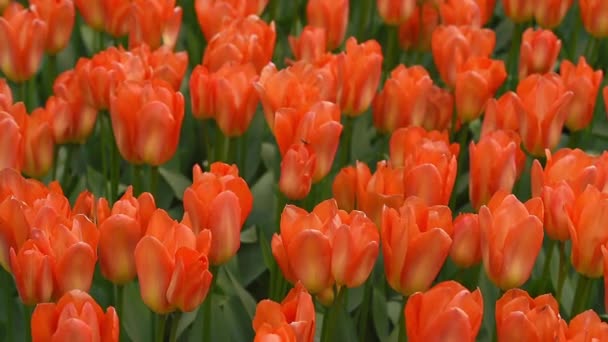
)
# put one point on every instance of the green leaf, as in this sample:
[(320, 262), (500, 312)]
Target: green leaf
[(271, 158), (251, 263), (177, 182), (185, 320), (245, 297), (249, 235), (136, 318), (380, 313), (264, 204)]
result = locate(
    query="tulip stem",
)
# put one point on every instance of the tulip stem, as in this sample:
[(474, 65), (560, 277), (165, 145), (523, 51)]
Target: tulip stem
[(208, 306), (590, 50), (6, 291), (402, 337), (581, 297), (546, 268), (514, 55), (174, 324), (392, 48), (27, 316), (563, 268), (136, 179), (330, 320), (347, 138), (154, 175), (103, 139), (363, 313), (161, 323), (364, 14), (49, 74)]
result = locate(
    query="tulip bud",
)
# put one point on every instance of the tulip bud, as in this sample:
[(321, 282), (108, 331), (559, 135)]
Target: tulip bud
[(538, 52), (297, 167)]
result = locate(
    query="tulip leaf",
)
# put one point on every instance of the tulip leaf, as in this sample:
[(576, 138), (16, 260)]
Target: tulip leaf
[(177, 182), (185, 320), (136, 318), (380, 313), (249, 235), (271, 158), (264, 205), (251, 263), (245, 297)]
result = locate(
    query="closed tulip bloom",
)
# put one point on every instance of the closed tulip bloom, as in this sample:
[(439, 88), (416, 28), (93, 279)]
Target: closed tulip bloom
[(75, 317), (360, 69), (452, 46), (545, 99), (6, 95), (520, 317), (383, 189), (147, 119), (11, 142), (172, 265), (415, 33), (476, 82), (117, 17), (219, 201), (350, 186), (395, 12), (93, 12), (440, 109), (403, 100), (412, 258), (496, 162), (310, 45), (155, 23), (519, 11), (550, 13), (245, 40), (167, 65), (587, 326), (33, 273), (460, 12), (21, 57), (212, 15), (38, 141), (465, 251), (331, 16), (584, 83), (59, 18), (14, 226), (486, 8), (538, 52), (297, 167), (502, 114), (293, 319), (511, 238), (201, 93), (447, 311), (594, 14)]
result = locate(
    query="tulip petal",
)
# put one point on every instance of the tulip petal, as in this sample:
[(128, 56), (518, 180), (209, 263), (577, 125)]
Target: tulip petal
[(75, 269), (44, 320), (522, 245), (309, 256), (154, 269), (225, 226)]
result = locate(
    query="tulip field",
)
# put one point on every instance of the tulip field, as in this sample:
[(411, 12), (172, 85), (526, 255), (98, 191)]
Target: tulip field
[(303, 170)]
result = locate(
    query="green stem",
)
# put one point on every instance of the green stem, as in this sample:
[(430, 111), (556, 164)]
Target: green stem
[(174, 324), (364, 15), (514, 55), (462, 137), (8, 303), (154, 176), (581, 297), (55, 162), (347, 138), (67, 170), (546, 268), (402, 337), (363, 313), (331, 316), (206, 140), (589, 48), (136, 179), (105, 160), (118, 303), (49, 74), (27, 319), (392, 48), (563, 269), (208, 306), (161, 325), (114, 161), (23, 94)]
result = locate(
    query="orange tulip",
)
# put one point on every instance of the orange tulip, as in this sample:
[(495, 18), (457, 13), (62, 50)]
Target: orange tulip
[(502, 114), (310, 45), (593, 15), (297, 168), (587, 326), (584, 83), (172, 265), (32, 269), (212, 15), (412, 258), (511, 238), (219, 201), (415, 33), (496, 162), (486, 8), (538, 52), (476, 82), (244, 40), (21, 57), (440, 108), (587, 232), (319, 129), (395, 12), (167, 65), (293, 318), (117, 17), (75, 317), (519, 10), (452, 46), (447, 311), (350, 187), (465, 251), (545, 99), (550, 13), (93, 12), (460, 12), (383, 188), (331, 16), (37, 141), (6, 95), (227, 95), (14, 226), (59, 18), (147, 119), (11, 141), (155, 23), (520, 317), (360, 69), (403, 100)]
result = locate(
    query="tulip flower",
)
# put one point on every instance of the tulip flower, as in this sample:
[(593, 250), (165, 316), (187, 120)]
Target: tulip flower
[(550, 13), (538, 52), (496, 162), (460, 12), (486, 8), (167, 65), (350, 187), (14, 227), (587, 326), (476, 82), (415, 33), (383, 188), (59, 19), (447, 311), (172, 265), (155, 23), (545, 99), (584, 83), (21, 57), (6, 95), (502, 114), (11, 142), (465, 251), (520, 317), (593, 15), (510, 246), (310, 45), (412, 258), (147, 119), (76, 316), (297, 168), (395, 12), (330, 15), (117, 15), (245, 40), (294, 318), (452, 46), (519, 11), (219, 201), (212, 15), (93, 12), (360, 68)]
